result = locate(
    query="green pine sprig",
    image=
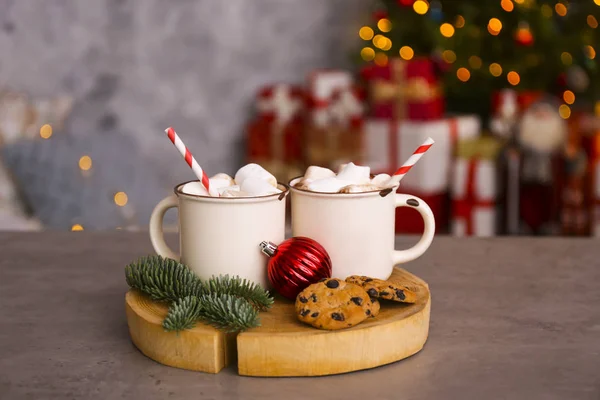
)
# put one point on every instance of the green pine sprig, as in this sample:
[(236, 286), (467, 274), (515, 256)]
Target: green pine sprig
[(182, 314), (256, 295), (228, 312), (163, 279), (224, 311), (228, 303)]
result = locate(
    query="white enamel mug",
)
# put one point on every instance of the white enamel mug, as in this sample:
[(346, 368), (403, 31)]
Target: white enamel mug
[(221, 235), (358, 229)]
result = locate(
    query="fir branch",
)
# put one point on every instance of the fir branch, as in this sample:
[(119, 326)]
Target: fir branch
[(228, 312), (255, 294), (163, 279), (183, 314)]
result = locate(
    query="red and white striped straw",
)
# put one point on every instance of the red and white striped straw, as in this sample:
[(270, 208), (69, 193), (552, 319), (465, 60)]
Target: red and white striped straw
[(191, 161), (416, 156)]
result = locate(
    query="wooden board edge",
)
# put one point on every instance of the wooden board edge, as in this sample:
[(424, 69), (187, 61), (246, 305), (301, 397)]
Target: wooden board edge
[(208, 352), (279, 346)]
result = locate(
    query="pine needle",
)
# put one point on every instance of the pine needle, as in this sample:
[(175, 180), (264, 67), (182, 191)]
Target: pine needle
[(228, 303), (228, 312), (183, 314), (255, 294), (162, 279)]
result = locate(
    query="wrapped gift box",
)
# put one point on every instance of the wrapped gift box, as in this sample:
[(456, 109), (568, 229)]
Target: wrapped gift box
[(474, 188), (275, 137), (388, 144), (336, 136), (323, 86), (404, 90)]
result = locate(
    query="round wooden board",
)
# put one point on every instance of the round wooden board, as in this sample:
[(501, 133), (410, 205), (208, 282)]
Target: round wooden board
[(283, 346)]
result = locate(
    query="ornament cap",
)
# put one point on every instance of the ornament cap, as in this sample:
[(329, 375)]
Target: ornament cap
[(268, 248)]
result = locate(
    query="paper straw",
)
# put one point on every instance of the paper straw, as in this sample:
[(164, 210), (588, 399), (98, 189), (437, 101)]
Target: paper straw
[(416, 156), (191, 161)]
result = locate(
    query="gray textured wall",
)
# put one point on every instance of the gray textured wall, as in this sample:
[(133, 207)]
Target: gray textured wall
[(137, 66)]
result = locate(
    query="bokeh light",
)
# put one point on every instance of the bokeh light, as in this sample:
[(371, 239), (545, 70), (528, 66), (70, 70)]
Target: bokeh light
[(449, 56), (460, 21), (366, 33), (475, 62), (381, 59), (564, 111), (592, 21), (367, 53), (121, 199), (421, 7), (507, 5), (560, 9), (494, 26), (406, 52), (76, 228), (566, 58), (46, 131), (447, 30), (463, 74), (495, 69), (590, 52), (513, 78), (569, 97), (384, 25), (85, 163)]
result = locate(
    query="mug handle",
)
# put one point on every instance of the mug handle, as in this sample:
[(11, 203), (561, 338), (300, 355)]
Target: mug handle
[(406, 200), (156, 227)]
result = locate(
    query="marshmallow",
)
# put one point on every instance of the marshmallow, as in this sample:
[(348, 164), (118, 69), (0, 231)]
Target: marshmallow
[(355, 174), (303, 184), (231, 192), (221, 181), (327, 185), (313, 173), (380, 180), (232, 188), (254, 171), (368, 187), (257, 187), (341, 167), (194, 188)]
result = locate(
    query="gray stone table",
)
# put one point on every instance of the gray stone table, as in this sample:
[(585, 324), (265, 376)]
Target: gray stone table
[(511, 319)]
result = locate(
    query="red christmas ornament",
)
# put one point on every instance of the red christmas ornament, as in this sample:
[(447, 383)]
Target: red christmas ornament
[(523, 35), (295, 264)]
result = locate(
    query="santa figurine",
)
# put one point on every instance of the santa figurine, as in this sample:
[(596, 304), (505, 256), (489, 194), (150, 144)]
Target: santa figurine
[(541, 137), (531, 162)]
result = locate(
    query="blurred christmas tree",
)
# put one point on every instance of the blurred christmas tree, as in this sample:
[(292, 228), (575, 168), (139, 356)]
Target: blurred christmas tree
[(483, 46)]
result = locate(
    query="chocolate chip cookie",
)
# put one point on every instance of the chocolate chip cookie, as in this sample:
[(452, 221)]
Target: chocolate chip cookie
[(334, 304), (381, 289)]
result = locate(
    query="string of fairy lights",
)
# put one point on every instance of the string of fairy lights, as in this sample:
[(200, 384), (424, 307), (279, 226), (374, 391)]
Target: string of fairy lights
[(523, 35), (85, 165)]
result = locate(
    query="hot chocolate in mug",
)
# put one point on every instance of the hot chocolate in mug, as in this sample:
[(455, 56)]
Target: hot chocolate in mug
[(358, 229), (220, 235)]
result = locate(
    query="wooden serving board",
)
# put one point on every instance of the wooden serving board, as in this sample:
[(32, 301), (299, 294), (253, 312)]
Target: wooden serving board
[(282, 345)]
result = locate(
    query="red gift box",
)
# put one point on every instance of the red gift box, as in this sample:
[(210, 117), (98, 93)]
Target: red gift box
[(275, 137), (391, 143), (409, 221), (474, 198), (324, 85), (404, 90), (281, 102)]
